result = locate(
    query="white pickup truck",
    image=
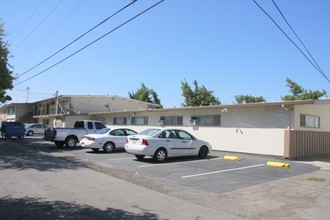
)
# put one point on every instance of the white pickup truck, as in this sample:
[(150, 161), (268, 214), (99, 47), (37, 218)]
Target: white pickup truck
[(71, 136)]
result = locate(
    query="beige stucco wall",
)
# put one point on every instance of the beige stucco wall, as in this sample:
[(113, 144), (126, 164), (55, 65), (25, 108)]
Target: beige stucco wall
[(16, 112), (69, 121), (247, 140), (259, 131), (322, 110)]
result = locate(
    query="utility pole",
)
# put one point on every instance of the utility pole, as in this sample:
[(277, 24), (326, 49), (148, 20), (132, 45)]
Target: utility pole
[(56, 104), (27, 94)]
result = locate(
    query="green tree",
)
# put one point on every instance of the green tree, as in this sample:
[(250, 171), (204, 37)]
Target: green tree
[(249, 99), (197, 97), (6, 79), (146, 95), (299, 93)]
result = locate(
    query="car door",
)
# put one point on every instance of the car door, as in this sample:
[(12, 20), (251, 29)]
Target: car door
[(36, 128), (171, 142), (188, 146), (118, 137)]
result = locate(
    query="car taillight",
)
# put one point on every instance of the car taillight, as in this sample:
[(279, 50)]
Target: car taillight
[(144, 142), (90, 138), (126, 141)]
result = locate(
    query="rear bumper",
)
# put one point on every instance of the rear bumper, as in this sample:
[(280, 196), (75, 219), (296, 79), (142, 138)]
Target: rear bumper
[(139, 150)]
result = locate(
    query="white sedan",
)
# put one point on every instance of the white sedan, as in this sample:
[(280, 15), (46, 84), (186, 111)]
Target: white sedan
[(161, 143), (107, 139)]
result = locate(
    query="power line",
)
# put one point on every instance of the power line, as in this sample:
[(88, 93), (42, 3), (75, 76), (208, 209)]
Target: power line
[(104, 35), (297, 36), (29, 19), (75, 40), (40, 23), (291, 41), (41, 39)]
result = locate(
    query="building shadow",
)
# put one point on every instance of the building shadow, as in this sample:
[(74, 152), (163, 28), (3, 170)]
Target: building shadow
[(27, 153), (37, 208)]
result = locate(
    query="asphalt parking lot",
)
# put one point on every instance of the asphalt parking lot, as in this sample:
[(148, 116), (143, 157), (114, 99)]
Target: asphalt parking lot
[(247, 188), (214, 174)]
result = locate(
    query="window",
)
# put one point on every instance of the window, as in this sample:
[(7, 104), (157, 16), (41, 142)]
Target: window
[(139, 121), (171, 120), (80, 124), (311, 121), (117, 132), (89, 125), (185, 135), (130, 132), (99, 125), (207, 120), (120, 121)]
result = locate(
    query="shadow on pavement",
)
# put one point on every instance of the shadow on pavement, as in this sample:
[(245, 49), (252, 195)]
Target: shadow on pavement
[(33, 208), (34, 154)]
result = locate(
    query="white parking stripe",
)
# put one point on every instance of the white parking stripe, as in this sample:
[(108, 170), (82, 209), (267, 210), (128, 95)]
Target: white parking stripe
[(121, 158), (166, 164), (222, 171)]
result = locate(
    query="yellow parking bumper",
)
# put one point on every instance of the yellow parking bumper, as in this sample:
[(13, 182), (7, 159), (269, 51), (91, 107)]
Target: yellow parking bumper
[(278, 164), (227, 157)]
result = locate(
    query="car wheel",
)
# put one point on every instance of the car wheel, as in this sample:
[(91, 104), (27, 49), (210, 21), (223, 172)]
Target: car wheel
[(108, 147), (203, 152), (30, 133), (95, 149), (160, 155), (71, 142), (139, 157), (59, 143)]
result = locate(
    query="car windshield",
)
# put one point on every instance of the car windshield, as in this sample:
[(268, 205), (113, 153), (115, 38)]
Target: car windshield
[(149, 132), (102, 131)]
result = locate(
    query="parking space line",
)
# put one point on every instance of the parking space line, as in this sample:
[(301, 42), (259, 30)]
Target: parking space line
[(121, 158), (222, 171), (166, 164)]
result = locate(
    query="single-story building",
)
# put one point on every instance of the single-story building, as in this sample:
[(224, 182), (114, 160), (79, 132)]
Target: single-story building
[(290, 129)]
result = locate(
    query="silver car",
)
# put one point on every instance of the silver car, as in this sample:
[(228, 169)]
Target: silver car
[(34, 128)]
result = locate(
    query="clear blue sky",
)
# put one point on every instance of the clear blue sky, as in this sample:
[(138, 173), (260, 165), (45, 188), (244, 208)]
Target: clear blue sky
[(229, 46)]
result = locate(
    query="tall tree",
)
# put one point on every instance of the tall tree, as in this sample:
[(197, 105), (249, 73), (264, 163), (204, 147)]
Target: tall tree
[(249, 99), (6, 79), (146, 95), (299, 93), (198, 96)]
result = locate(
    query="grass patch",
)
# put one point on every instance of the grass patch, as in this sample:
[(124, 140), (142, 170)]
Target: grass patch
[(317, 179)]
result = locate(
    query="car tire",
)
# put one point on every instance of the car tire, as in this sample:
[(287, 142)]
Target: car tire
[(59, 143), (160, 155), (140, 157), (108, 147), (203, 152), (71, 141), (30, 133), (95, 149)]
